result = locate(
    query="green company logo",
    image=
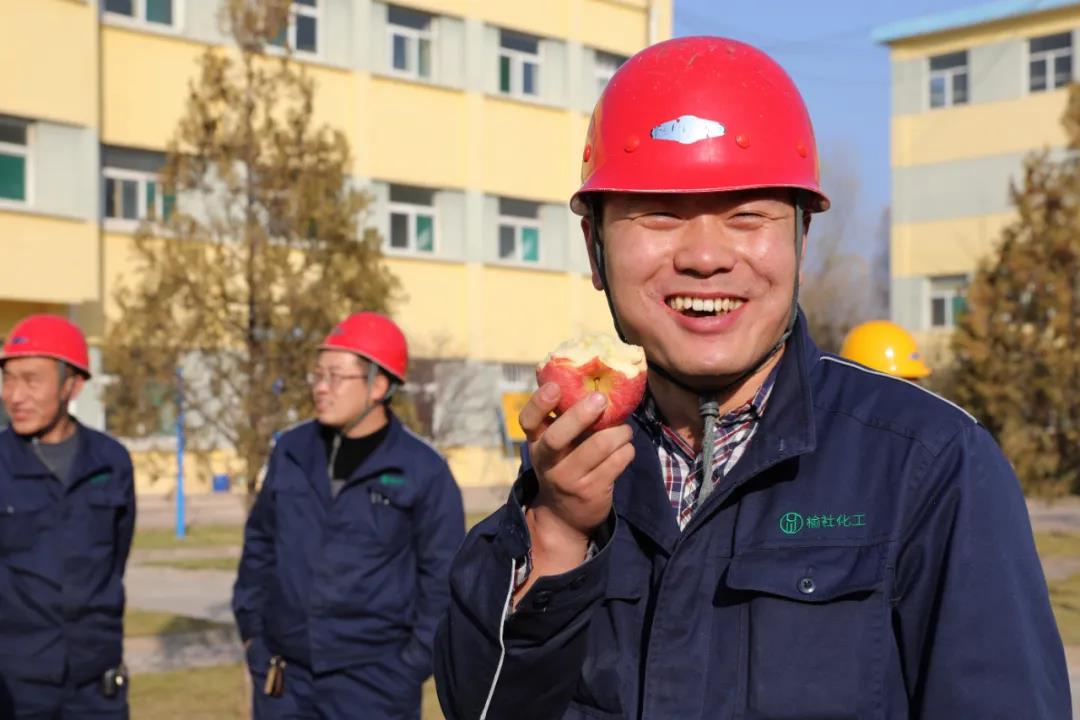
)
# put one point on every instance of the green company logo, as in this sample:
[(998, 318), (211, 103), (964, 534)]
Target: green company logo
[(99, 478), (391, 480), (791, 523)]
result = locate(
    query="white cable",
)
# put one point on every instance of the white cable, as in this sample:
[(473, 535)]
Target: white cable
[(502, 642)]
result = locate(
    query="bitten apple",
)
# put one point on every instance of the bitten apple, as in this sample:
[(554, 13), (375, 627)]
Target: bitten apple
[(597, 363)]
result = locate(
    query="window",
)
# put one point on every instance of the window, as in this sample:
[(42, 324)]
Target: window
[(157, 12), (412, 219), (949, 79), (410, 41), (606, 65), (14, 170), (519, 231), (519, 64), (1049, 62), (302, 32), (132, 196), (947, 300)]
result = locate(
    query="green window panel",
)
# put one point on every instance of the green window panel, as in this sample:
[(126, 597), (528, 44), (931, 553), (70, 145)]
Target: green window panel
[(425, 233), (530, 244), (12, 177)]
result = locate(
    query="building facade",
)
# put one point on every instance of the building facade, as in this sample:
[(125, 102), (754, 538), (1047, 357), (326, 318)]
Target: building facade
[(973, 93), (466, 119)]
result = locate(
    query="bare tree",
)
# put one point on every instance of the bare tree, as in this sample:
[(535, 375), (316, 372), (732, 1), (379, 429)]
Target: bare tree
[(838, 287)]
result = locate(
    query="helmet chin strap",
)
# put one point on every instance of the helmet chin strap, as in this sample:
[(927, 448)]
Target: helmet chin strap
[(335, 444), (708, 398)]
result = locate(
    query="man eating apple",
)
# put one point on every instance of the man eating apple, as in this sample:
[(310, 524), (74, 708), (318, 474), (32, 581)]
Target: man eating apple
[(776, 532)]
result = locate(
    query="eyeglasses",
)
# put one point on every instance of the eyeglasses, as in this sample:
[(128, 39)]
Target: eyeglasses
[(332, 379)]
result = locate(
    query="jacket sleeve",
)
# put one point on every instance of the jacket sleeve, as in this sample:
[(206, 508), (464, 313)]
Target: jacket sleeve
[(257, 560), (971, 605), (438, 528), (126, 530), (491, 663)]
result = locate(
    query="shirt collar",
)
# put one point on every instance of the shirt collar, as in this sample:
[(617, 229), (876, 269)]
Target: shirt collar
[(650, 417)]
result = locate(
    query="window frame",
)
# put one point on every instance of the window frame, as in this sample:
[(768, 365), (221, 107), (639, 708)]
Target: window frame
[(517, 59), (312, 11), (519, 224), (1048, 57), (948, 74), (412, 211), (413, 36), (138, 17), (949, 289), (602, 73), (142, 179), (28, 164)]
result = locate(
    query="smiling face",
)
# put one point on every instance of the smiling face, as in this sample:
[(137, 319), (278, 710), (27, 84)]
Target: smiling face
[(36, 392), (702, 281)]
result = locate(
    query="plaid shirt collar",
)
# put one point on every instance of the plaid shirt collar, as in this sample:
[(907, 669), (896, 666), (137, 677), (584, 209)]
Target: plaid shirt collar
[(681, 466), (652, 420)]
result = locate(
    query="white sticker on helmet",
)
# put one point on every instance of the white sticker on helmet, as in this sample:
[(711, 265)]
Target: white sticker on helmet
[(687, 129)]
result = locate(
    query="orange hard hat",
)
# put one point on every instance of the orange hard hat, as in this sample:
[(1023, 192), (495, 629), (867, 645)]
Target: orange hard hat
[(886, 347)]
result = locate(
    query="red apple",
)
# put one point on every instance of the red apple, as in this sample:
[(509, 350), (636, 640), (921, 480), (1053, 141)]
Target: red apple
[(597, 363)]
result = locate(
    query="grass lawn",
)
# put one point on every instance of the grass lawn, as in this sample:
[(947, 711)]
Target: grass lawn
[(213, 693), (1064, 593), (196, 536), (1058, 543), (211, 563), (140, 623)]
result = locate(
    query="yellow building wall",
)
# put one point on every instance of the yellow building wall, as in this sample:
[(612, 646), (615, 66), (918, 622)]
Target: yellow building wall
[(48, 260), (526, 313), (12, 311), (146, 81), (435, 313), (422, 134), (968, 131), (618, 27), (530, 151), (481, 467), (155, 469), (945, 247), (48, 49), (1046, 23)]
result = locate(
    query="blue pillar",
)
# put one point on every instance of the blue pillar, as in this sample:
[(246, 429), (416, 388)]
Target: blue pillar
[(180, 529)]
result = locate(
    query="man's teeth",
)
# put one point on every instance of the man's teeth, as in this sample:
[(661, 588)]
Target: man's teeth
[(718, 305)]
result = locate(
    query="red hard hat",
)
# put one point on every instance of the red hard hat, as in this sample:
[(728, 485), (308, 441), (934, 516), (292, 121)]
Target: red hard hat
[(700, 114), (372, 336), (48, 336)]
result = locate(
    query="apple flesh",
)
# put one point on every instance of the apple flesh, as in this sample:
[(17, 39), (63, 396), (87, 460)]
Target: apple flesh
[(597, 363)]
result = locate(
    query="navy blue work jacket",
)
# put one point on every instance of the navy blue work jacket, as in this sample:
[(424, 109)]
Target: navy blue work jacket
[(63, 549), (333, 583), (870, 557)]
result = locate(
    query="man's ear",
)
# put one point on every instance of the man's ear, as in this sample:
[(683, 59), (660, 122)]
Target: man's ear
[(73, 385)]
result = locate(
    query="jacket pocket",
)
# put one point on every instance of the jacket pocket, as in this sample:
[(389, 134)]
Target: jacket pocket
[(18, 528), (105, 510), (391, 514), (813, 631), (577, 711)]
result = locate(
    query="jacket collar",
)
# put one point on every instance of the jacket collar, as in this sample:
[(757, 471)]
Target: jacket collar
[(785, 430), (17, 453), (307, 450)]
